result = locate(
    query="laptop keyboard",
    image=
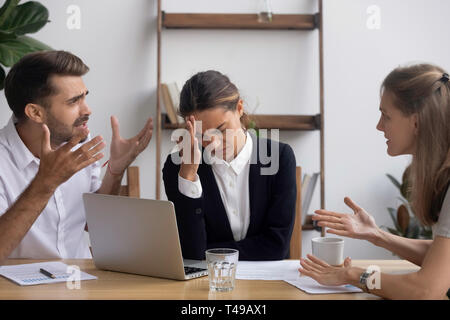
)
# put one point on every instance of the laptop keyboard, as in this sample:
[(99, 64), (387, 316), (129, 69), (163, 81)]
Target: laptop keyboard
[(190, 270)]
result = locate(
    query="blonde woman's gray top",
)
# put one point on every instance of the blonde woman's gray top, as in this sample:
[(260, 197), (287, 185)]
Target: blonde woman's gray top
[(442, 227)]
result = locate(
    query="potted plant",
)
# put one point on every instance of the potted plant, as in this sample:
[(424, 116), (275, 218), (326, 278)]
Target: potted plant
[(405, 222), (15, 22)]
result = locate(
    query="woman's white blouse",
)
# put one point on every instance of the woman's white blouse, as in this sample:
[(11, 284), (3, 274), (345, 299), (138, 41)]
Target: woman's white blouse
[(232, 181)]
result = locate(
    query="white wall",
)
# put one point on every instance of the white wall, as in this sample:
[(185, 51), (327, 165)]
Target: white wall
[(279, 69)]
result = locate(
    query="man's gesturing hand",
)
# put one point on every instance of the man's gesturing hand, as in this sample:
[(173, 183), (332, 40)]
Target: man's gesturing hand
[(57, 166), (124, 151)]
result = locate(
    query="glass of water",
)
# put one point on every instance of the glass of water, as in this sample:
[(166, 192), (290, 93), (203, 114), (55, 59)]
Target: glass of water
[(222, 264)]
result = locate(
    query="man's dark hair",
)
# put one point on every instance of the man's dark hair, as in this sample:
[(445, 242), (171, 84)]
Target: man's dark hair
[(28, 81)]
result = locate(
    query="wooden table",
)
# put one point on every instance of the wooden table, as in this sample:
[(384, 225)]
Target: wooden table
[(115, 285)]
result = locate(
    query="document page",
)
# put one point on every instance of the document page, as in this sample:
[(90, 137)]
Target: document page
[(268, 270), (29, 274)]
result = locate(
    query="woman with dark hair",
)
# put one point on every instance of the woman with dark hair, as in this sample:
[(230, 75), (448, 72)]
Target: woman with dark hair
[(229, 196), (415, 119)]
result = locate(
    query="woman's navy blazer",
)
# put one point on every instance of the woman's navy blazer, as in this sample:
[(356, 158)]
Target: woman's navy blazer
[(203, 222)]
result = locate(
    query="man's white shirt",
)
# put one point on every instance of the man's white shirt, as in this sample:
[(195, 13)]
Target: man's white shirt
[(58, 232)]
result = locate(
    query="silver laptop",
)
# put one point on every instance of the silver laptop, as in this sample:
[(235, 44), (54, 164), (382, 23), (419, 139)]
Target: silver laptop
[(137, 236)]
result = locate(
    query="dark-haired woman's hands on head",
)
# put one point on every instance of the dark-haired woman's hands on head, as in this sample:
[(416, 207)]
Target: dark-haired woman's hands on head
[(360, 225), (189, 165)]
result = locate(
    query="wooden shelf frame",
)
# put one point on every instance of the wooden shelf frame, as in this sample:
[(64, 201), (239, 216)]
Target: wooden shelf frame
[(239, 21)]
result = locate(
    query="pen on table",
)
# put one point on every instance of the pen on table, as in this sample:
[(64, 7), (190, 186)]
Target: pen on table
[(48, 274)]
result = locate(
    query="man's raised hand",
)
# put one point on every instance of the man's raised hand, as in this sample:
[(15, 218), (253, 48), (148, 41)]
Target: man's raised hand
[(57, 166)]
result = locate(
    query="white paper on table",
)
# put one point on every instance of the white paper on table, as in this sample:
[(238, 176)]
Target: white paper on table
[(28, 274), (268, 270), (309, 285)]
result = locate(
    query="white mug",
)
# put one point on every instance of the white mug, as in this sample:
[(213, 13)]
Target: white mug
[(330, 250)]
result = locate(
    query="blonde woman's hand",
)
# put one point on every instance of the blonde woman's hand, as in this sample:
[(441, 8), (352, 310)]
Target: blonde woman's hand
[(360, 225), (324, 273)]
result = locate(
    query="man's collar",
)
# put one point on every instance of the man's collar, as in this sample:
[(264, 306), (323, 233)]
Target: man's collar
[(22, 154)]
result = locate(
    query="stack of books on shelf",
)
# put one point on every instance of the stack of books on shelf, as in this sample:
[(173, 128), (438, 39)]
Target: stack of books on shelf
[(170, 95)]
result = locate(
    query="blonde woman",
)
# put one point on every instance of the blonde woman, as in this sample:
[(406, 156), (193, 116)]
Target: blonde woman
[(415, 119)]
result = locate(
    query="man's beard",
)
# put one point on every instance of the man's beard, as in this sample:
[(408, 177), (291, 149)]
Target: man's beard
[(61, 133)]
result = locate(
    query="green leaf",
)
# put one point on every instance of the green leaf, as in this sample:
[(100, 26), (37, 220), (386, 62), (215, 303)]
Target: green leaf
[(2, 78), (393, 231), (29, 17), (394, 181), (6, 36), (6, 9), (413, 231), (426, 233), (35, 44), (13, 50)]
